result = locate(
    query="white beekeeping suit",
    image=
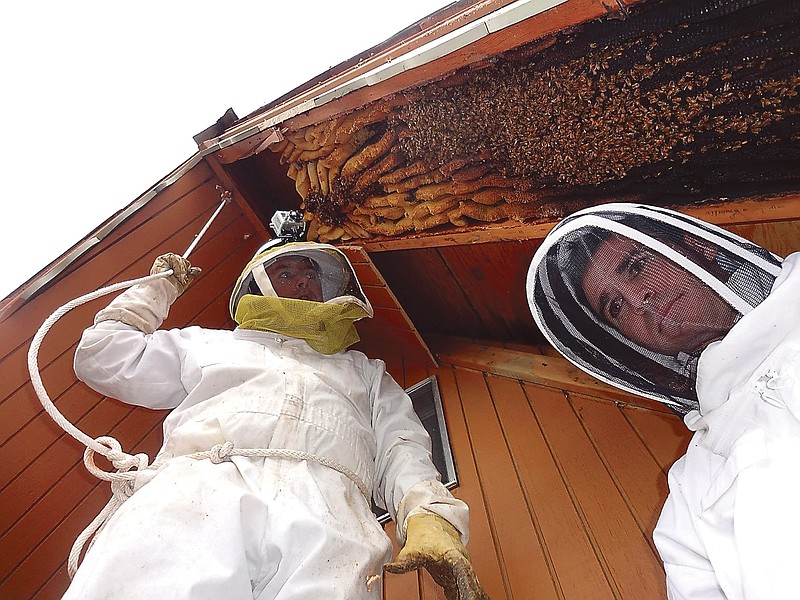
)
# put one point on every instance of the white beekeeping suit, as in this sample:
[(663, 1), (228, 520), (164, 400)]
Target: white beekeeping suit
[(680, 311), (333, 430)]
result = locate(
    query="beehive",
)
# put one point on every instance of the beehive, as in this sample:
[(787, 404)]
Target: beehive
[(676, 103)]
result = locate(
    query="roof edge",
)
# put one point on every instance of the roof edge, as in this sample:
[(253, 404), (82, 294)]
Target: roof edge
[(49, 273), (322, 89)]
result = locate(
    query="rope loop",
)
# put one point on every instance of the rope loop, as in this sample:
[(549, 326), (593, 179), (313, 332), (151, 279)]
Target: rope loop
[(220, 453), (128, 466), (123, 484)]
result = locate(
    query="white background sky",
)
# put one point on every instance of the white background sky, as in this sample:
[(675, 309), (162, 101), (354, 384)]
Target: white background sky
[(100, 99)]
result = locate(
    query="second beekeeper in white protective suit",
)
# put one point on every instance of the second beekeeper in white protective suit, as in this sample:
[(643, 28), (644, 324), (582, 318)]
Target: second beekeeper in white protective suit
[(329, 431), (675, 309)]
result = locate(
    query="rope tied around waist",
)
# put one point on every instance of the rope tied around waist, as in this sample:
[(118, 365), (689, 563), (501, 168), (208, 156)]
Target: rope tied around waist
[(224, 452), (123, 481)]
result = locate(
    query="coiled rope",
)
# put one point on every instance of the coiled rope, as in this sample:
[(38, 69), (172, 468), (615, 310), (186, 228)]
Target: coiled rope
[(122, 481)]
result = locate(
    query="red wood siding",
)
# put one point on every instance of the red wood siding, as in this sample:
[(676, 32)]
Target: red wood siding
[(47, 495)]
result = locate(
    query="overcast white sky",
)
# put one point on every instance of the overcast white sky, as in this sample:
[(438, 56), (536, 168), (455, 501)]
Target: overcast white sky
[(101, 99)]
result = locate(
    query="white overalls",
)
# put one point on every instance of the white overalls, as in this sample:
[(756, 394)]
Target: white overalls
[(275, 527)]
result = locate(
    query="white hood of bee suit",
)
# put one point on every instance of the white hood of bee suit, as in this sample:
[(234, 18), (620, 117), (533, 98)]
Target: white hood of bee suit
[(743, 277)]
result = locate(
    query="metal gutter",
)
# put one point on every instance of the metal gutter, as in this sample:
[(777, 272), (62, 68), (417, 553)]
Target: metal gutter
[(447, 44)]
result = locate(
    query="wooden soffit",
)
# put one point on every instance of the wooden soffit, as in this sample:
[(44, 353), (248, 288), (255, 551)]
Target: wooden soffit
[(390, 332)]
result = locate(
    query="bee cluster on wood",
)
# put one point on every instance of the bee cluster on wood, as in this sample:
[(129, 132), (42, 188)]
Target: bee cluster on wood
[(534, 135)]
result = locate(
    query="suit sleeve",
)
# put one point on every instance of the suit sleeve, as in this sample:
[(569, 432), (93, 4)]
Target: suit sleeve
[(406, 480), (690, 575), (123, 356)]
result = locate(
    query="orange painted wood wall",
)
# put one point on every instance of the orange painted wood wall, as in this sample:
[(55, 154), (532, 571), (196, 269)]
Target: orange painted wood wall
[(564, 489)]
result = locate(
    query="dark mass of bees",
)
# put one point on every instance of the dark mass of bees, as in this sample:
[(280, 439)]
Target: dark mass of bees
[(693, 94)]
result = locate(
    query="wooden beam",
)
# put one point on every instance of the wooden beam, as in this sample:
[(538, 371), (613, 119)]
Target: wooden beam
[(785, 207), (548, 371), (228, 182), (478, 234), (766, 209)]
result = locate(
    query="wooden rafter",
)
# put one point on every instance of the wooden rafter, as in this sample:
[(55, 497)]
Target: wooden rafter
[(722, 213), (549, 371)]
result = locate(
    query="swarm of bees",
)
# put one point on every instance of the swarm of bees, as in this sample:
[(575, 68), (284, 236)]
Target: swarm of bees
[(534, 135)]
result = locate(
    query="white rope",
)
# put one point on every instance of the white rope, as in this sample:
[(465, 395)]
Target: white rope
[(123, 481), (36, 378), (223, 452), (127, 465)]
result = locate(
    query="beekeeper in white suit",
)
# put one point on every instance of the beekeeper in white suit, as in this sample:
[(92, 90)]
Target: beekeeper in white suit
[(680, 311), (331, 429)]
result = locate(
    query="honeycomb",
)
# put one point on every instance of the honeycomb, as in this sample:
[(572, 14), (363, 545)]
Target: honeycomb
[(680, 100)]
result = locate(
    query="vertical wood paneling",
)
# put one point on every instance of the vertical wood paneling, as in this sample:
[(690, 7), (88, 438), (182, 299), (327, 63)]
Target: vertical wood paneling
[(627, 556), (22, 448), (664, 434), (637, 475), (486, 560), (576, 566), (524, 565), (563, 492), (406, 586)]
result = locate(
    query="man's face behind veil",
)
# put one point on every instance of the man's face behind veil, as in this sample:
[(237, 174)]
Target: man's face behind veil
[(295, 277), (652, 301)]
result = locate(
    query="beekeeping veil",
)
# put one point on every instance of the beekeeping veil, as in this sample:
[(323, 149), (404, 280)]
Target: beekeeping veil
[(673, 251), (327, 326)]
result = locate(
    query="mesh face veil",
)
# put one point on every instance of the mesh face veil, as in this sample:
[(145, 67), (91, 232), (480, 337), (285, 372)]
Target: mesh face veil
[(337, 279), (632, 294), (326, 325)]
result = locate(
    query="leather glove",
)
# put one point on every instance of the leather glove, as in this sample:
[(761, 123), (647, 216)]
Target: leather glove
[(433, 543), (182, 271), (145, 306)]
